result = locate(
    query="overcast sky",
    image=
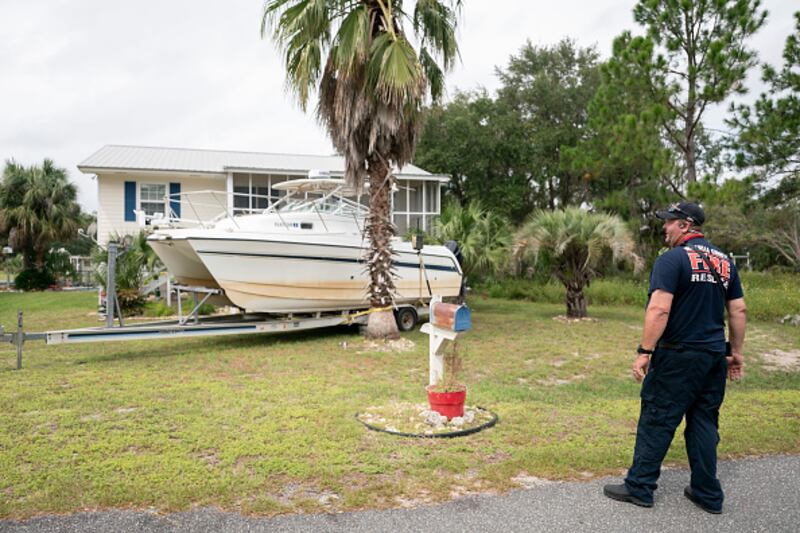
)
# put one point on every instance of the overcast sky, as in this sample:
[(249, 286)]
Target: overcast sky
[(79, 74)]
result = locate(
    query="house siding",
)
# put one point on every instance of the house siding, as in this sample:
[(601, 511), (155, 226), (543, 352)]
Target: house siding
[(111, 199)]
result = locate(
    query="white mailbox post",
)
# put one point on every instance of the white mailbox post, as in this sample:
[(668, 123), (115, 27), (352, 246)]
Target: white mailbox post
[(447, 321)]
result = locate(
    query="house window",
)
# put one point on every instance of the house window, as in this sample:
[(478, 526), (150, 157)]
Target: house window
[(259, 191), (151, 198), (254, 192), (416, 204), (241, 194)]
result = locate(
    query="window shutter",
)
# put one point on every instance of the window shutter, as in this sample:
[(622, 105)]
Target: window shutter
[(175, 202), (130, 201)]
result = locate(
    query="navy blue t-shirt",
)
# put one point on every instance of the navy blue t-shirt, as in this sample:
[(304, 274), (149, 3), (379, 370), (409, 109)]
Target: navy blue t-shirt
[(697, 318)]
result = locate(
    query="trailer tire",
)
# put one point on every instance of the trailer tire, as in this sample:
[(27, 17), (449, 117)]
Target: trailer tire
[(406, 318)]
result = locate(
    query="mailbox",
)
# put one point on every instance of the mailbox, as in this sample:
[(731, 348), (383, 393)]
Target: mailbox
[(447, 322), (451, 316)]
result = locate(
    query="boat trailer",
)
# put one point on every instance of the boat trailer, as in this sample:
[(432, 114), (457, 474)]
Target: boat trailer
[(189, 326)]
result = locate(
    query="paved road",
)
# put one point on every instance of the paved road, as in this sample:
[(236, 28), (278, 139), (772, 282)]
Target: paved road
[(762, 495)]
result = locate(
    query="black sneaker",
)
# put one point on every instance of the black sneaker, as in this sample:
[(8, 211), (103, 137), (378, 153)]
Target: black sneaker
[(620, 493), (687, 491)]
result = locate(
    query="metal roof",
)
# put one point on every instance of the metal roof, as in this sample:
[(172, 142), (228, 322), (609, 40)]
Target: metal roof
[(151, 158)]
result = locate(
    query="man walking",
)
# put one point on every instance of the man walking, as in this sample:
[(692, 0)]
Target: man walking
[(682, 359)]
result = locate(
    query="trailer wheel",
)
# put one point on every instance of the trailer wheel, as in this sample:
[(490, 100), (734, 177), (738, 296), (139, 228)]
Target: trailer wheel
[(406, 318)]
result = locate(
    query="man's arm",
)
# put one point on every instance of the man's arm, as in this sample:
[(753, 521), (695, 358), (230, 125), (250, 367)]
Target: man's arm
[(737, 321), (655, 321)]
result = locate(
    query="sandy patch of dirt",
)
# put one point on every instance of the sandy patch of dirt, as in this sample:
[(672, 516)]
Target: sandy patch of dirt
[(399, 345), (526, 481), (566, 320), (780, 360), (549, 382), (423, 497)]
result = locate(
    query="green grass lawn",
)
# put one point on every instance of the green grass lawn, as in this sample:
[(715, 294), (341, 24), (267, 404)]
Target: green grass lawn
[(264, 423)]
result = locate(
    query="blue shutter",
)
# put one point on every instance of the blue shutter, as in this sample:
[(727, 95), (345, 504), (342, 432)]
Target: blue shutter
[(175, 201), (130, 201)]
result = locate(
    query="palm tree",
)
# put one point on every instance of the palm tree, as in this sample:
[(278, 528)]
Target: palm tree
[(372, 85), (484, 238), (575, 240), (37, 207), (134, 262)]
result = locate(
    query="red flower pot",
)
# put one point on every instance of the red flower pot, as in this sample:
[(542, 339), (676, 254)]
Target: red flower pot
[(449, 404)]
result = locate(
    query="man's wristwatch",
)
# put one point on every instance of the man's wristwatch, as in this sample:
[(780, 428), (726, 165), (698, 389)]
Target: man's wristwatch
[(642, 351)]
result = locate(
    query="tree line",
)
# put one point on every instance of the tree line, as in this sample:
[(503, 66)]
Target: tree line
[(628, 135)]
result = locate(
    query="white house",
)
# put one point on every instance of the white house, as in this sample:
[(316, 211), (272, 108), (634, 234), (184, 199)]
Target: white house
[(131, 178)]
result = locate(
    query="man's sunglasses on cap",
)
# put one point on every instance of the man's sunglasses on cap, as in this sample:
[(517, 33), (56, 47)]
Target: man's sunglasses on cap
[(687, 211), (675, 208)]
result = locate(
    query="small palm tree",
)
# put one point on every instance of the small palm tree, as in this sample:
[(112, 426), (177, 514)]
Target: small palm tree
[(575, 241), (135, 262), (484, 238), (37, 207), (372, 85)]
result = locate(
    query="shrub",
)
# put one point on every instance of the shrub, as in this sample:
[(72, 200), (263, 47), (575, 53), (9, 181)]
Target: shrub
[(131, 302), (157, 309), (160, 308), (58, 265), (768, 296), (132, 266), (33, 280), (771, 296), (483, 237)]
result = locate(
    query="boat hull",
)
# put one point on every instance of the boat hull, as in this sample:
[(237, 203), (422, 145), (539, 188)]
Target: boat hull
[(284, 275), (185, 266), (182, 262)]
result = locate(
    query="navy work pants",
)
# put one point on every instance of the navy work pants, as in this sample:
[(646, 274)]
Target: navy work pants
[(680, 383)]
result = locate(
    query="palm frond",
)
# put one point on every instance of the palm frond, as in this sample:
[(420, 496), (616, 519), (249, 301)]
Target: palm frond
[(436, 23), (433, 73), (575, 240), (352, 40), (393, 70)]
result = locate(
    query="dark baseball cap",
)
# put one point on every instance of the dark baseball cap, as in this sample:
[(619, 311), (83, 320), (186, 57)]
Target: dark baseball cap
[(684, 210)]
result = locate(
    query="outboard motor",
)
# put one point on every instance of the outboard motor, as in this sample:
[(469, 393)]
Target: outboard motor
[(456, 251)]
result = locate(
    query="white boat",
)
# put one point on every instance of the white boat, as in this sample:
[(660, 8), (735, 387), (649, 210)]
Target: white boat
[(172, 247), (305, 253)]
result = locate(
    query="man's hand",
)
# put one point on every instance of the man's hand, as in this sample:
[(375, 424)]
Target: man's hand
[(640, 366), (735, 366)]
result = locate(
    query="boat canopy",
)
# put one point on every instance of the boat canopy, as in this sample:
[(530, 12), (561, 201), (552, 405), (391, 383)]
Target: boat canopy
[(310, 185)]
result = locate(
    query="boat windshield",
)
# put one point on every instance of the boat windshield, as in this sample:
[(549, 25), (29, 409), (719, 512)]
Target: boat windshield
[(318, 202)]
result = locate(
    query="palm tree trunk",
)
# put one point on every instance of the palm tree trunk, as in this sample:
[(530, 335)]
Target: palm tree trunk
[(39, 264), (380, 230), (576, 301)]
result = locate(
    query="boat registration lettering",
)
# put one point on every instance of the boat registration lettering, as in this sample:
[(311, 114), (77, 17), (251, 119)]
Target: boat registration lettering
[(301, 225)]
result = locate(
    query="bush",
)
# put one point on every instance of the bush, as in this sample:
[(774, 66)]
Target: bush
[(768, 296), (158, 309), (161, 309), (58, 265), (132, 265), (483, 237), (771, 296), (609, 291), (131, 302), (33, 280)]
